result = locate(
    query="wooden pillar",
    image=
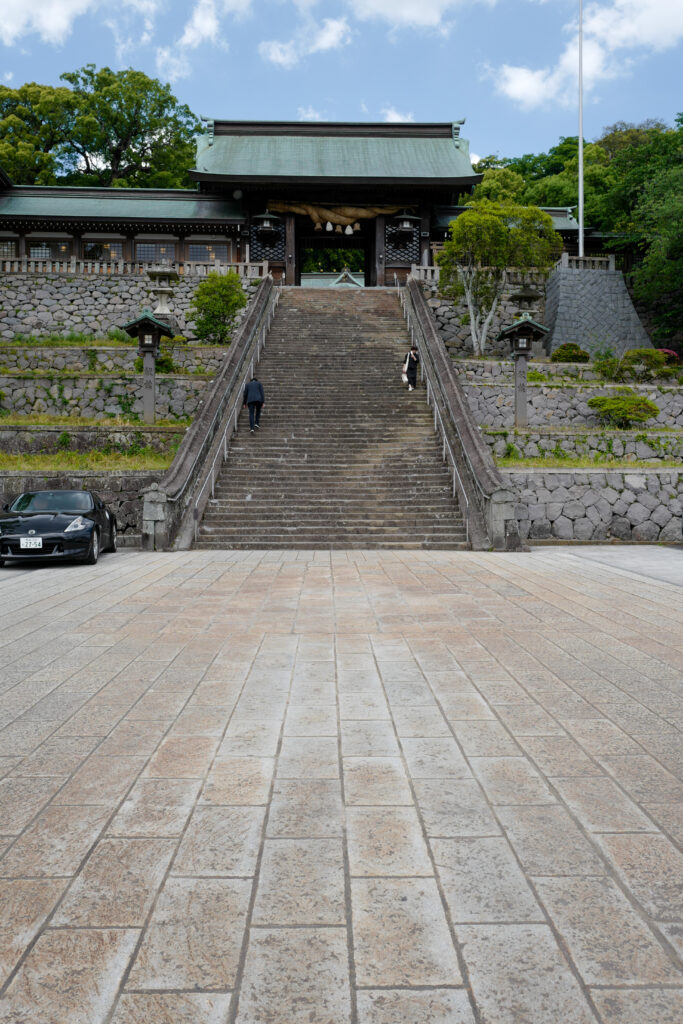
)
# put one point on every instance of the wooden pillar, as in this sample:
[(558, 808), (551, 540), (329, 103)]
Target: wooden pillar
[(21, 247), (379, 251), (425, 223), (128, 249), (290, 249)]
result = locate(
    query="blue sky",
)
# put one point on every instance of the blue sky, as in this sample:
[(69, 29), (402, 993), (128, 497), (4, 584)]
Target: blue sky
[(508, 66)]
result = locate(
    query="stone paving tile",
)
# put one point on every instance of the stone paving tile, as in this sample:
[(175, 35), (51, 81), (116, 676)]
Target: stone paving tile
[(456, 810), (638, 1006), (24, 906), (220, 841), (117, 885), (600, 805), (194, 937), (171, 1008), (295, 976), (305, 809), (652, 868), (55, 843), (155, 807), (433, 1006), (400, 934), (435, 758), (548, 677), (483, 882), (511, 780), (301, 882), (518, 973), (308, 757), (386, 841), (548, 842), (375, 780), (69, 976), (606, 939), (368, 739)]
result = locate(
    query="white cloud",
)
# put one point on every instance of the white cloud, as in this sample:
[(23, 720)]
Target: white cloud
[(312, 38), (172, 64), (203, 25), (309, 114), (393, 116), (407, 13), (615, 34), (474, 158), (8, 76), (51, 19)]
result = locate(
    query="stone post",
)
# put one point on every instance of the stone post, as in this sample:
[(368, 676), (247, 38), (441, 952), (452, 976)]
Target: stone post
[(521, 412), (148, 386)]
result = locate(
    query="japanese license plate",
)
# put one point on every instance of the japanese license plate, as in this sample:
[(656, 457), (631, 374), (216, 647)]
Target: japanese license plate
[(30, 542)]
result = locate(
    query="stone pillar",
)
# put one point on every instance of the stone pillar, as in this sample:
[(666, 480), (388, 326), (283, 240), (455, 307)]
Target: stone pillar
[(290, 250), (521, 413), (148, 386), (425, 248), (155, 510)]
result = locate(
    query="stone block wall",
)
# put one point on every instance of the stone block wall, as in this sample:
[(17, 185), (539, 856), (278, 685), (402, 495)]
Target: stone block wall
[(76, 359), (18, 440), (41, 304), (120, 491), (452, 319), (601, 446), (593, 309), (99, 397), (493, 404), (488, 371), (599, 505)]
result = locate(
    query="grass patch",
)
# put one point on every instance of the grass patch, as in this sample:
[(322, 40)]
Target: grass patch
[(43, 419), (603, 460), (144, 459), (115, 339)]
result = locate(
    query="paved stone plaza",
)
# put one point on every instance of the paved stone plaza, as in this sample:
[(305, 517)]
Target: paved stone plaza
[(342, 788)]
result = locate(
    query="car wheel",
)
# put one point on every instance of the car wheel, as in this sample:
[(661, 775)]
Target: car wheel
[(113, 543), (93, 550)]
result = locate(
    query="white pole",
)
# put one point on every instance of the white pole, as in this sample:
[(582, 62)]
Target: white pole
[(581, 128)]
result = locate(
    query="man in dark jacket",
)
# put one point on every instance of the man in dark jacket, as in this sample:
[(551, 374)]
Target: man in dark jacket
[(255, 399)]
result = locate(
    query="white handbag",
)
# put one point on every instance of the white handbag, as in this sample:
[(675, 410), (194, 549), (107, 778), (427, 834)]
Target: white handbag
[(404, 374)]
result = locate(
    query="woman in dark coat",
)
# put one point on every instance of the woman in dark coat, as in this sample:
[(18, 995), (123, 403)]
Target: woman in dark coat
[(412, 361)]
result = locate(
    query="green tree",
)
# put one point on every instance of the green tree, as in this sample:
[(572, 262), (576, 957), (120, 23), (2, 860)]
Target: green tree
[(35, 123), (500, 185), (215, 305), (117, 128), (486, 241), (128, 130)]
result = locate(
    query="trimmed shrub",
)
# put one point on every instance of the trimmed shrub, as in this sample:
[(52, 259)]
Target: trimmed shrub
[(623, 409), (215, 305), (569, 353)]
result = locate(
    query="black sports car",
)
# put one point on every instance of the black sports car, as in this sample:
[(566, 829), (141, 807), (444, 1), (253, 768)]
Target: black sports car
[(56, 524)]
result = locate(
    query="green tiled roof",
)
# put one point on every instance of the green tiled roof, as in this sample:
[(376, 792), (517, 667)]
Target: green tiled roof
[(562, 217), (310, 157), (117, 204)]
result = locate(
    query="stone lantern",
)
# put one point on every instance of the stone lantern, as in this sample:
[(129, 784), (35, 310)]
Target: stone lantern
[(521, 335), (149, 332)]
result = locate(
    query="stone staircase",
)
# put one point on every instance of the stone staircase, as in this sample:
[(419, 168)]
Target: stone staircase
[(345, 457)]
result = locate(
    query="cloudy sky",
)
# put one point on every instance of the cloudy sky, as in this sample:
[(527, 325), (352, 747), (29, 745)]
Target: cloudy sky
[(507, 66)]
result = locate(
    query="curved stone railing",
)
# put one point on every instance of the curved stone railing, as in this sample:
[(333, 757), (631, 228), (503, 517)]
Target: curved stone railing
[(120, 268), (171, 506), (485, 498)]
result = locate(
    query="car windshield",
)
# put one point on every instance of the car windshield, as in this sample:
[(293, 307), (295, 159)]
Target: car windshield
[(52, 501)]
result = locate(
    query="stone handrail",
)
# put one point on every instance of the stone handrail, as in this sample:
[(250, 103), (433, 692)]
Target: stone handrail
[(168, 505), (431, 275), (121, 268), (482, 489)]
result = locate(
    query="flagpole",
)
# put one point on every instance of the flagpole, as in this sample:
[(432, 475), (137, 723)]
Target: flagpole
[(580, 128)]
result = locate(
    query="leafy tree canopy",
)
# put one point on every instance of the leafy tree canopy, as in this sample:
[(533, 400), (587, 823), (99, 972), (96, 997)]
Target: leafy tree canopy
[(111, 128), (486, 241), (215, 304)]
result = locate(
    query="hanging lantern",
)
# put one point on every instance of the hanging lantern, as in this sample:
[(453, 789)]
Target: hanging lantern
[(406, 224), (267, 226)]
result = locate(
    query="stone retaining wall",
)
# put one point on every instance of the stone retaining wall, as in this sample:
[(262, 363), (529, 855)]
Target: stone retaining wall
[(74, 359), (41, 304), (598, 505), (120, 491), (489, 370), (97, 397), (493, 404), (601, 446), (18, 440)]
